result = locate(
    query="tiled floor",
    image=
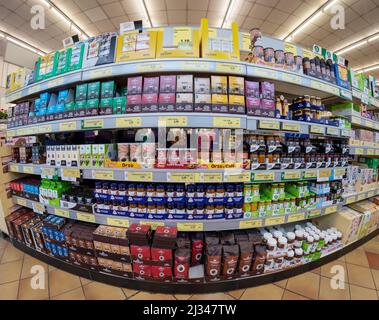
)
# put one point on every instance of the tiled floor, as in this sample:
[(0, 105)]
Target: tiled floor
[(358, 274)]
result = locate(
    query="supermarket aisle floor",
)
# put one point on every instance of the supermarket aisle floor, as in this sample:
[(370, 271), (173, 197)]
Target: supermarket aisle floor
[(361, 281)]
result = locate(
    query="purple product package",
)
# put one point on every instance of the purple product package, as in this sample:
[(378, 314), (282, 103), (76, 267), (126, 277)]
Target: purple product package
[(167, 84), (151, 85), (133, 103), (150, 102), (167, 102), (252, 89), (135, 85)]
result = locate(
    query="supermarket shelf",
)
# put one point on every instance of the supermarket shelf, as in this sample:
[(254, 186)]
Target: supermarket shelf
[(359, 96), (364, 151), (358, 121), (177, 120), (360, 196), (179, 175), (192, 287), (199, 65), (182, 225)]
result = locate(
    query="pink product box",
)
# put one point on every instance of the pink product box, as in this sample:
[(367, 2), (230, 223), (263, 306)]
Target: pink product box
[(150, 102), (167, 102), (151, 85), (133, 104), (167, 84), (135, 85), (252, 104), (268, 90), (252, 89)]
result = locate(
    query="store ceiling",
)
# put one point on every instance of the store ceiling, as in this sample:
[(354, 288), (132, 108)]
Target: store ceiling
[(276, 18)]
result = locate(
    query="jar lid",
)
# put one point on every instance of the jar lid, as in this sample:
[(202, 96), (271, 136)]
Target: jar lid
[(299, 233), (290, 254), (310, 239), (267, 235), (299, 251), (272, 242), (291, 236), (316, 237), (282, 240), (278, 234)]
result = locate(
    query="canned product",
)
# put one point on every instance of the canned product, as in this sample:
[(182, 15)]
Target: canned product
[(269, 55)]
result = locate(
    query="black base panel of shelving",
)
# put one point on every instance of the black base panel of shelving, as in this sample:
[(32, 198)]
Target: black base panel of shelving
[(190, 288)]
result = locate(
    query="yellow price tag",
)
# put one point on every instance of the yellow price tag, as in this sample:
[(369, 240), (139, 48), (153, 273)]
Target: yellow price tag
[(310, 174), (264, 73), (230, 68), (332, 131), (308, 54), (224, 122), (103, 174), (296, 217), (324, 174), (44, 129), (314, 213), (48, 173), (39, 208), (294, 127), (13, 168), (269, 124), (370, 152), (139, 176), (350, 200), (246, 42), (129, 122), (345, 132), (68, 126), (29, 170), (274, 221), (209, 177), (289, 47), (11, 133), (181, 177), (317, 129), (150, 67), (190, 226), (292, 78), (339, 173), (92, 124), (263, 176), (358, 151), (101, 73), (86, 217), (370, 194), (122, 223), (21, 202), (242, 177), (62, 213), (70, 173), (173, 122), (296, 175), (195, 65), (361, 197), (377, 152), (251, 224), (330, 210), (153, 224)]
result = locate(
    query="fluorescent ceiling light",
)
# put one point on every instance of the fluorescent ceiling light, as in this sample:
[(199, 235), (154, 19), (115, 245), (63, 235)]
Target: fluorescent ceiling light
[(371, 68), (146, 13), (358, 43), (373, 38), (310, 19), (368, 68), (228, 13), (351, 47), (1, 35)]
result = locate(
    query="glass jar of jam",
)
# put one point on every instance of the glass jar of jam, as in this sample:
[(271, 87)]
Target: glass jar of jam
[(220, 191), (132, 190), (170, 190), (200, 191), (150, 190), (180, 192), (211, 191)]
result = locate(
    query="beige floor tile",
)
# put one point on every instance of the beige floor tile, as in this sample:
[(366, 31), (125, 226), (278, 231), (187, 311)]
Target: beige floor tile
[(1, 252), (328, 293), (76, 294), (358, 257), (265, 292), (85, 281), (288, 295), (211, 296), (9, 291), (61, 282), (236, 294), (11, 254), (372, 246), (10, 272), (281, 283), (29, 264), (360, 276), (306, 284), (26, 292), (52, 268), (100, 291), (143, 295), (129, 292), (326, 270), (375, 275), (359, 293), (343, 258), (316, 271), (182, 296), (3, 243)]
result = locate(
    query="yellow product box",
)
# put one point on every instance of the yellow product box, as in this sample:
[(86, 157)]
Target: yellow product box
[(219, 43), (135, 46), (184, 43), (236, 85), (219, 84), (236, 100), (10, 84), (219, 99)]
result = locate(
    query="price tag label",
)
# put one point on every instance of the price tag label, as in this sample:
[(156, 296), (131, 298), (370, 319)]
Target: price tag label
[(86, 217), (354, 143), (358, 151), (292, 78), (153, 224), (296, 175), (103, 174), (70, 174), (370, 152), (274, 221), (150, 67), (339, 173), (129, 122), (370, 194), (351, 199), (377, 152), (34, 89), (230, 68), (101, 73), (92, 124), (317, 129), (314, 213), (294, 127), (44, 129), (308, 54), (173, 122), (121, 223), (48, 173), (190, 226), (28, 170), (361, 197), (324, 174), (224, 122), (38, 208), (251, 224), (196, 66), (296, 217), (330, 209), (289, 47), (21, 202), (13, 168), (269, 124), (209, 177), (345, 132), (332, 131), (263, 176), (13, 97), (55, 83), (139, 176), (310, 174), (68, 126), (62, 213), (346, 94), (263, 73), (181, 177), (241, 177), (11, 133)]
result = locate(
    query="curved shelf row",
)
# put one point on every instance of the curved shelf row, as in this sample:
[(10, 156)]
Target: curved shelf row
[(199, 65), (360, 96), (179, 175), (364, 151), (177, 120), (191, 287)]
